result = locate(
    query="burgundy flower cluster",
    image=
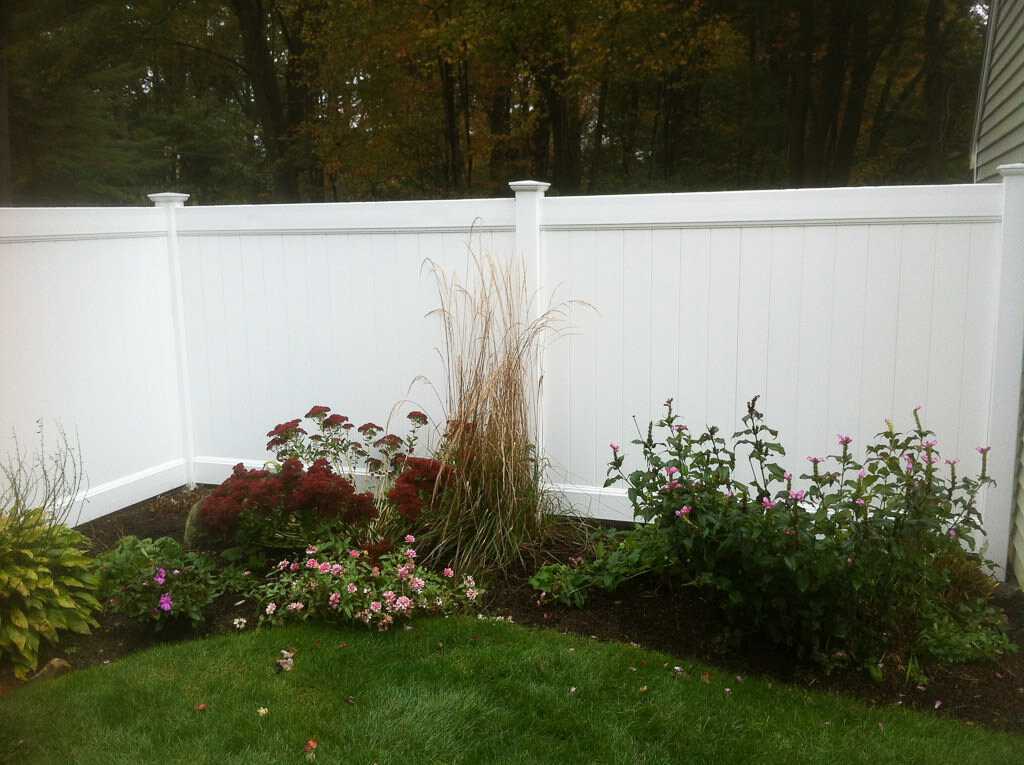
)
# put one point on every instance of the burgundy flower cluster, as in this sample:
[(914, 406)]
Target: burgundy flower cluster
[(311, 497), (421, 477)]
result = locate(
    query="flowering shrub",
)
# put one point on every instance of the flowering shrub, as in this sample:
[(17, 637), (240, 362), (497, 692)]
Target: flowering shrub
[(860, 561), (284, 506), (156, 582), (382, 456), (335, 580), (419, 484), (312, 492)]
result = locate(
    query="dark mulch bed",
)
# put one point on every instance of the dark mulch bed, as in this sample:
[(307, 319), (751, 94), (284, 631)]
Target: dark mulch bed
[(677, 622)]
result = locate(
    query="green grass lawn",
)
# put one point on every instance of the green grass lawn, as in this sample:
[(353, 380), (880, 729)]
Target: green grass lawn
[(455, 691)]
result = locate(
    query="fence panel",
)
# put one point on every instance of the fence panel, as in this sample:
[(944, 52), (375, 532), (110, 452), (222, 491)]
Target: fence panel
[(171, 340)]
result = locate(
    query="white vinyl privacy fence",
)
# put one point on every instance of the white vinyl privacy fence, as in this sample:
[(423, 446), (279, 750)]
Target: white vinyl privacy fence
[(169, 340)]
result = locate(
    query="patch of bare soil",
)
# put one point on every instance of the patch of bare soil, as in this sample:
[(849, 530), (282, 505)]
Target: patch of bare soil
[(681, 623)]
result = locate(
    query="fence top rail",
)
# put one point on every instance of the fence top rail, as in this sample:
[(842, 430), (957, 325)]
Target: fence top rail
[(27, 224), (434, 216), (965, 203)]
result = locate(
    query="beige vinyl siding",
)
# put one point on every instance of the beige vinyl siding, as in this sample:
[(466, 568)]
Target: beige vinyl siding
[(999, 130)]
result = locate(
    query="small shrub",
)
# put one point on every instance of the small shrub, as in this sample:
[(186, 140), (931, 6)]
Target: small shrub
[(857, 563), (156, 582), (618, 557), (336, 580), (45, 584), (311, 492)]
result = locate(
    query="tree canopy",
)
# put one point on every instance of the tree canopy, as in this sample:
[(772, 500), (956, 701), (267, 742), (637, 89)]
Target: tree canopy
[(310, 100)]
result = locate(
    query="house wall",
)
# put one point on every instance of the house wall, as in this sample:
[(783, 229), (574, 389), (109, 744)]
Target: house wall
[(999, 123), (172, 340)]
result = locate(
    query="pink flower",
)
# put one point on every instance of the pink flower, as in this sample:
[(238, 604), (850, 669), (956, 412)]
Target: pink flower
[(410, 539), (449, 573), (684, 510), (797, 495), (983, 449), (768, 504), (417, 584), (615, 447), (295, 606), (376, 606), (311, 563), (410, 553), (271, 608), (324, 568), (311, 550), (351, 588), (671, 470), (165, 601), (337, 569), (353, 553), (334, 600), (403, 604), (844, 440)]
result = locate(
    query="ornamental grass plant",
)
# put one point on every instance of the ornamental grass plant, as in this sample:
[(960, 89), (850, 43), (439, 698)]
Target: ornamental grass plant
[(496, 504)]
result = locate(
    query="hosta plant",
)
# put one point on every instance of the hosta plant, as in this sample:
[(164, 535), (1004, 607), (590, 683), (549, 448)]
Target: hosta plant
[(45, 583)]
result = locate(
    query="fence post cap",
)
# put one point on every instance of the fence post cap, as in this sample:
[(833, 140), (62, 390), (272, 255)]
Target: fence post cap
[(1016, 168), (518, 186), (168, 199)]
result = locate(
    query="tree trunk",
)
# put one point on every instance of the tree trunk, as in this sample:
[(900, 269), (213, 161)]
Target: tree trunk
[(270, 107)]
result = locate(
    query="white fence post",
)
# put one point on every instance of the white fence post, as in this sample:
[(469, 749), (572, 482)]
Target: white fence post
[(1004, 414), (529, 199), (171, 201)]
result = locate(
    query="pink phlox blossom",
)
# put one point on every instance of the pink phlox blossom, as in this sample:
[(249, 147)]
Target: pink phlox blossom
[(403, 604), (165, 601)]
